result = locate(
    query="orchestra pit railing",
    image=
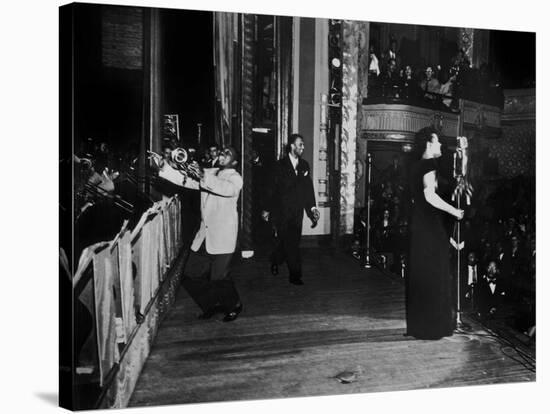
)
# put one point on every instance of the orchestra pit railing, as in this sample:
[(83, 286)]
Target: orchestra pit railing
[(126, 285)]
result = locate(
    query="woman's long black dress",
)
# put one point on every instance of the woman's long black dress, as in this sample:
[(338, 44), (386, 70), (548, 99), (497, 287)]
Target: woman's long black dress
[(428, 285)]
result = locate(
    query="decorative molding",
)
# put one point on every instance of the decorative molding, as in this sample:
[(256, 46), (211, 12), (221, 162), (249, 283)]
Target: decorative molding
[(397, 122), (519, 105), (480, 116)]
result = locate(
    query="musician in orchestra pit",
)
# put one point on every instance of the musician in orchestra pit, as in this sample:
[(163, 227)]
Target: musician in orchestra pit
[(167, 154), (213, 157), (220, 188), (102, 177)]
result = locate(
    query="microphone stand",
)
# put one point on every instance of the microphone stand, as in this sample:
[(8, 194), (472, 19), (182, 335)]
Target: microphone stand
[(367, 260), (460, 177), (459, 323)]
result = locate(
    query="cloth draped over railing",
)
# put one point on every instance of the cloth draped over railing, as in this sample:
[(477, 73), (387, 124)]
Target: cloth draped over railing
[(116, 281)]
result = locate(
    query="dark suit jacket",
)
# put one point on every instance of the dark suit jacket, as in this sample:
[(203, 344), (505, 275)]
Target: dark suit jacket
[(487, 299), (290, 193), (505, 266)]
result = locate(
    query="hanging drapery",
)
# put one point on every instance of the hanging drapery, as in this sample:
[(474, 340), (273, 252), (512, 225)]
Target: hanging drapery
[(225, 34)]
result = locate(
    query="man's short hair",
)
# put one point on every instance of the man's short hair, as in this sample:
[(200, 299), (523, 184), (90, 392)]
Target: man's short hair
[(292, 139)]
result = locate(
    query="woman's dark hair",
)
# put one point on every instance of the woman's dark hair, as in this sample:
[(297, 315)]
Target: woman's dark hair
[(421, 140)]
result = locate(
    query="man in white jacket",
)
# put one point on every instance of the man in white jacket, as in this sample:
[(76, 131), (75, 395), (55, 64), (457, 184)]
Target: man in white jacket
[(220, 188)]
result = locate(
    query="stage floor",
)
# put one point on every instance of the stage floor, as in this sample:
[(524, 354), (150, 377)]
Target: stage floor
[(291, 341)]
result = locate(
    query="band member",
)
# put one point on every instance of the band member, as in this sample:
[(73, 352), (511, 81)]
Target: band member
[(220, 188), (291, 193), (213, 157)]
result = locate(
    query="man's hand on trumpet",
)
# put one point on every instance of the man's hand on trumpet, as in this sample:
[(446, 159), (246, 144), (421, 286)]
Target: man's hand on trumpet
[(194, 170)]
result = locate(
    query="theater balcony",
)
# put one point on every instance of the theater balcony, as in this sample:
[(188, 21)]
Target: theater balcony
[(388, 123)]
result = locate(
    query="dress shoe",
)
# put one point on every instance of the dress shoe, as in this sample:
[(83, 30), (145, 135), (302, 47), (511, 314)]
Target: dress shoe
[(274, 269), (231, 316), (208, 314), (297, 282)]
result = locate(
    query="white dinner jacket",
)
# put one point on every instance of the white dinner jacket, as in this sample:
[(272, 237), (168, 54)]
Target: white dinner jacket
[(220, 190)]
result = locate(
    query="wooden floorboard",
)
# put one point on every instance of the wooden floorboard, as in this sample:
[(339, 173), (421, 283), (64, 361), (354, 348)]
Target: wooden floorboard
[(291, 341)]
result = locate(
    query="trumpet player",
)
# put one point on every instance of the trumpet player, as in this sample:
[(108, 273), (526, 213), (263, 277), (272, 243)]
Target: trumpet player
[(220, 188), (167, 154)]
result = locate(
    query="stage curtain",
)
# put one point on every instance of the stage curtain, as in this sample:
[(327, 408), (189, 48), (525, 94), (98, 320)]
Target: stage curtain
[(225, 33)]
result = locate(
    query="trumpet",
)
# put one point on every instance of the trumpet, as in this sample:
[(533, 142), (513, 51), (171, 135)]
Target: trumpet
[(179, 158)]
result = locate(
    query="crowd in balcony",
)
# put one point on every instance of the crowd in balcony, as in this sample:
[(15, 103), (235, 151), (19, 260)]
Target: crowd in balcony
[(436, 85)]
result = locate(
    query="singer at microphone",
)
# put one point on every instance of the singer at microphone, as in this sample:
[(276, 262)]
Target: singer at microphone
[(429, 282)]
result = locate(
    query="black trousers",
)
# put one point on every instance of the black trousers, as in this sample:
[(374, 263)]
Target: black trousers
[(215, 289), (287, 245)]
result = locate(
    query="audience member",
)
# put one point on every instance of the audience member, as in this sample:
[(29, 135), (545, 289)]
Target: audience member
[(490, 292), (429, 85), (390, 80), (374, 66)]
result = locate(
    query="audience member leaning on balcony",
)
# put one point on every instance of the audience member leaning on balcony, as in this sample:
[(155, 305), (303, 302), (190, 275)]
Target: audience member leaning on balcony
[(409, 85), (430, 84), (392, 53), (390, 79), (374, 66), (448, 88)]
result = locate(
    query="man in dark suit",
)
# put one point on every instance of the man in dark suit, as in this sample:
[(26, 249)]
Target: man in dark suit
[(470, 273), (291, 193), (390, 79), (490, 292), (392, 53)]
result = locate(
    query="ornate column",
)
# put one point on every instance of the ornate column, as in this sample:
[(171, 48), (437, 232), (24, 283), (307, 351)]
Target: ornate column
[(362, 81), (348, 143), (248, 23), (466, 42)]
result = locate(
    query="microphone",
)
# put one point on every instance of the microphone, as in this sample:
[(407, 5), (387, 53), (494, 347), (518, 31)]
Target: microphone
[(460, 157)]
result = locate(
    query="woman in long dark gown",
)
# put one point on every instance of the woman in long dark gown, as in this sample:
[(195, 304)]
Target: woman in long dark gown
[(428, 287)]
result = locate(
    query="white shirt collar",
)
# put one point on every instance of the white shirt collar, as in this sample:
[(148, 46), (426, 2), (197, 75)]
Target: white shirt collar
[(293, 159)]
